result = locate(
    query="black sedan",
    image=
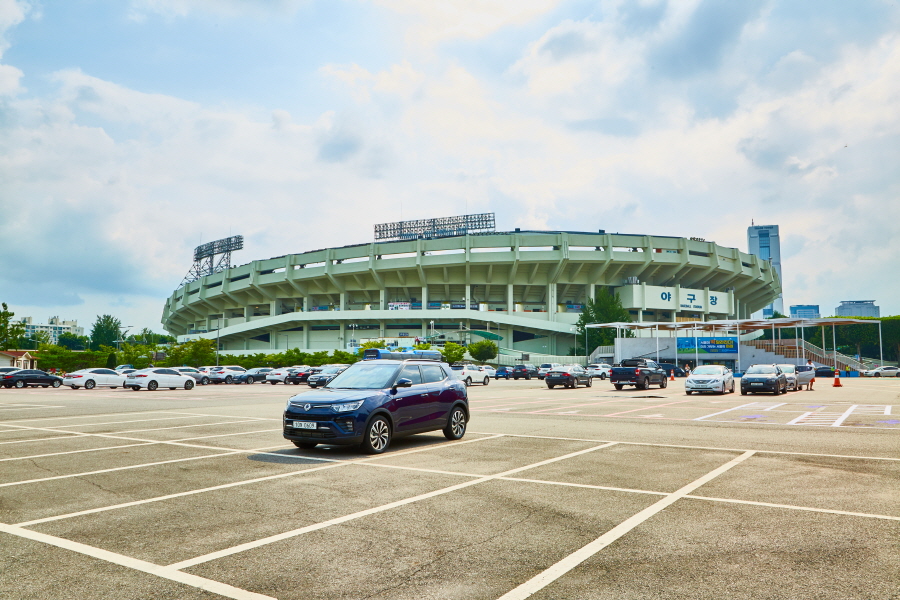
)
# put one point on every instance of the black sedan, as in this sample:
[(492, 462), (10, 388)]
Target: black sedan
[(26, 377), (569, 376), (301, 375), (764, 378), (253, 375), (824, 372)]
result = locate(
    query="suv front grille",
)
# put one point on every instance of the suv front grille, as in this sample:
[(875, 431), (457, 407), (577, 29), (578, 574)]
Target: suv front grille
[(308, 433)]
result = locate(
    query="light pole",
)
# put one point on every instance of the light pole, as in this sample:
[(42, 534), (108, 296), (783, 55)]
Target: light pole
[(353, 327), (218, 337), (122, 332)]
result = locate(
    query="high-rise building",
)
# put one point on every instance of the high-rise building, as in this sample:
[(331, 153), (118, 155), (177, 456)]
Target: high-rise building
[(805, 311), (764, 242), (53, 328), (857, 308)]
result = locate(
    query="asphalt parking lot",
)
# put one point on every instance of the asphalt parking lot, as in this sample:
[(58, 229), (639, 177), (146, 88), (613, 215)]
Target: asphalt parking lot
[(552, 494)]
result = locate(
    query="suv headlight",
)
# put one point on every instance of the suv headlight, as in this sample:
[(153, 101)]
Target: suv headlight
[(347, 406)]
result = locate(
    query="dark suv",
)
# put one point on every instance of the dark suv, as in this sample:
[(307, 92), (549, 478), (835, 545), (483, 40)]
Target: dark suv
[(526, 371), (763, 378), (373, 401)]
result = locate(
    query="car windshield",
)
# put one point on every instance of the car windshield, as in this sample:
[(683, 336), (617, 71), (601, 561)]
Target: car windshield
[(709, 370), (787, 368), (761, 370), (457, 367), (362, 376), (329, 370), (546, 366)]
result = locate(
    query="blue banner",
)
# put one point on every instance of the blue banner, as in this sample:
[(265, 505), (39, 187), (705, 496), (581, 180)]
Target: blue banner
[(707, 345)]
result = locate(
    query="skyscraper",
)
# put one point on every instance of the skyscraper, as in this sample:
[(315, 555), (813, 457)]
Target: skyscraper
[(765, 242)]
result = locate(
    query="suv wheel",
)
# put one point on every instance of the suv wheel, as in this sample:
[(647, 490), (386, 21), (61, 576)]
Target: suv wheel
[(189, 385), (204, 381), (528, 377), (487, 380), (229, 379), (305, 445), (456, 424), (590, 382), (273, 382), (468, 381), (377, 437), (664, 383)]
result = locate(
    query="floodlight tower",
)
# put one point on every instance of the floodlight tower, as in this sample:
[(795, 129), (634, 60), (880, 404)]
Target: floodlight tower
[(213, 257)]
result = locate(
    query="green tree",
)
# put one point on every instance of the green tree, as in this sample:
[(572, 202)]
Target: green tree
[(10, 331), (111, 361), (483, 351), (423, 346), (105, 331), (605, 308), (73, 342), (453, 353)]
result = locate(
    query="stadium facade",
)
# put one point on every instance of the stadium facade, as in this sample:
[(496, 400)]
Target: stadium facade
[(524, 289)]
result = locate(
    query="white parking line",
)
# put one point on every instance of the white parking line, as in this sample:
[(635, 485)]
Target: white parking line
[(255, 480), (64, 435), (33, 456), (370, 511), (793, 507), (844, 416), (196, 581), (562, 567), (722, 412), (782, 452)]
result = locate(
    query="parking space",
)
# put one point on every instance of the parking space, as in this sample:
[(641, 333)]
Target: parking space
[(585, 493)]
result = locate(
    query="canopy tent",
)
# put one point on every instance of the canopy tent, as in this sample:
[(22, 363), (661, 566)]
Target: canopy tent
[(745, 325)]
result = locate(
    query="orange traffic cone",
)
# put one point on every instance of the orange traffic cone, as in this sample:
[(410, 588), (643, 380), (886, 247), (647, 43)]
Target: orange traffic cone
[(671, 375), (837, 379)]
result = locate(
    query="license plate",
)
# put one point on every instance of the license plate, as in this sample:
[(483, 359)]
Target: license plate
[(756, 384), (304, 425)]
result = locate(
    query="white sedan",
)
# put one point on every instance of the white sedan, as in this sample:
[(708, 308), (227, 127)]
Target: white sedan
[(276, 376), (882, 372), (155, 378), (91, 378), (709, 378)]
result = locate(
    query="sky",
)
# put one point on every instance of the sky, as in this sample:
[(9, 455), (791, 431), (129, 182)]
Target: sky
[(133, 131)]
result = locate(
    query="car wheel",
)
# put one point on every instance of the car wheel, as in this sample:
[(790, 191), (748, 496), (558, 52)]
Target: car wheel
[(273, 382), (189, 385), (89, 384), (877, 374), (20, 384), (664, 383), (456, 424), (618, 386), (305, 445), (152, 386), (602, 376), (486, 381), (56, 384), (204, 381), (574, 382), (112, 387), (551, 386), (229, 379), (135, 388), (45, 386), (377, 437), (313, 385), (688, 392), (528, 378), (590, 382), (468, 381), (295, 382), (74, 387), (732, 387)]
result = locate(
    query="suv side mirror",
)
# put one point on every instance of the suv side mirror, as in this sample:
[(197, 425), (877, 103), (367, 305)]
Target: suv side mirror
[(403, 382)]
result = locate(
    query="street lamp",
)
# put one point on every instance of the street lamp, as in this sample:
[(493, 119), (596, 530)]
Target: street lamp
[(353, 327), (122, 332)]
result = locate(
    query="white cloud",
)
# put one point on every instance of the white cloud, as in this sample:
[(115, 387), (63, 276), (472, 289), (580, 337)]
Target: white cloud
[(227, 8)]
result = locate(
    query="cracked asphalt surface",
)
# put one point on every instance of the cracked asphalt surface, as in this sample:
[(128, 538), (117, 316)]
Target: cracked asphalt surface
[(552, 494)]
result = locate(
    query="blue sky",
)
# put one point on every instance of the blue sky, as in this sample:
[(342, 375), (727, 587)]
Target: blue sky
[(132, 131)]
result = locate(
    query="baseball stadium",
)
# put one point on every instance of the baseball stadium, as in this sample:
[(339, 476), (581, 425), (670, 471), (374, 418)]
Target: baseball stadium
[(454, 278)]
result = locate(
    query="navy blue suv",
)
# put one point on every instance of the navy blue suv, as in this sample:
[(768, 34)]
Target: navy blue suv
[(374, 401)]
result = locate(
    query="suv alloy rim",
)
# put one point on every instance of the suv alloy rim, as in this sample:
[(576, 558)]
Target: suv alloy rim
[(379, 433), (458, 423)]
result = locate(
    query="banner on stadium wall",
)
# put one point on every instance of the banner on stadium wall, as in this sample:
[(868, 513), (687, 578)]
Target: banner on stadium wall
[(707, 345)]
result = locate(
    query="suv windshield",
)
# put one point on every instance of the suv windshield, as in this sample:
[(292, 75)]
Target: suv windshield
[(787, 368), (761, 370), (363, 376)]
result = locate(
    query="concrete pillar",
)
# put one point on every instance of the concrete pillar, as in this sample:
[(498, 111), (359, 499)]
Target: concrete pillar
[(274, 308), (381, 329), (510, 305), (248, 312), (382, 299), (342, 335), (424, 297), (306, 334), (591, 291), (343, 301), (468, 296), (551, 301)]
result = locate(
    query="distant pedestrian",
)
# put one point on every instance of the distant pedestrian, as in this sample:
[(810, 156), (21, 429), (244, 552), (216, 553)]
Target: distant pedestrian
[(809, 363)]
